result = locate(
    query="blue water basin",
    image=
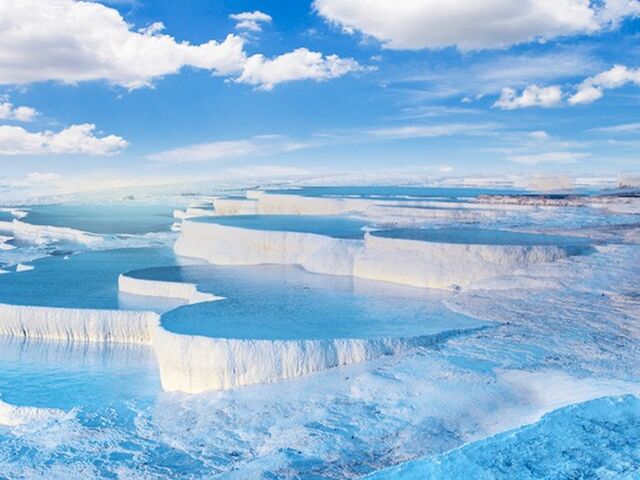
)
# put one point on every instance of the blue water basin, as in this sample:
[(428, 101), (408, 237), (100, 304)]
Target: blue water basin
[(476, 236), (274, 302), (63, 375), (332, 226), (397, 193), (85, 280), (122, 218)]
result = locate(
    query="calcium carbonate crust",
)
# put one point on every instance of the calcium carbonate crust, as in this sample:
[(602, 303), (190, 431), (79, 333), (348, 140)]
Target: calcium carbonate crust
[(407, 262)]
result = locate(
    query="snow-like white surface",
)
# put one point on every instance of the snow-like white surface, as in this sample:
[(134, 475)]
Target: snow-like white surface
[(224, 245), (21, 267), (235, 206), (268, 203), (45, 234), (3, 243), (254, 194), (156, 288), (291, 204), (285, 204), (74, 324), (195, 364), (198, 211), (442, 265), (407, 262), (542, 392), (409, 215), (14, 416)]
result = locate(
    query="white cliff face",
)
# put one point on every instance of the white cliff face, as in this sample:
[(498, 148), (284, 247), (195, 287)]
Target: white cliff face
[(407, 262), (442, 265), (195, 364), (76, 324), (155, 288), (267, 203), (235, 206), (224, 245), (285, 204), (413, 215), (290, 204)]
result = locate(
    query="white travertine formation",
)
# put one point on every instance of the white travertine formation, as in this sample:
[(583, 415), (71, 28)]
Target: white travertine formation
[(411, 215), (195, 364), (77, 324), (291, 204), (156, 288), (224, 245), (254, 194), (442, 265), (235, 206), (198, 211), (3, 243), (407, 262), (43, 234), (285, 204)]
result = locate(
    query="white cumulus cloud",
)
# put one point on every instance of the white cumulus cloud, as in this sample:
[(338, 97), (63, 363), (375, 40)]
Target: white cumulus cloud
[(472, 24), (250, 20), (531, 96), (21, 114), (592, 88), (71, 140), (74, 41), (299, 64)]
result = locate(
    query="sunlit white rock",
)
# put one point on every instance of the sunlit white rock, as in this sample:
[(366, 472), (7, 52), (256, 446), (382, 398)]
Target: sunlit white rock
[(75, 324), (195, 364), (224, 245), (156, 288), (235, 206), (442, 265)]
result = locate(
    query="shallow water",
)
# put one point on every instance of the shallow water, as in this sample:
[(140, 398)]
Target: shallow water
[(56, 374), (278, 302), (337, 227), (478, 236), (124, 218), (84, 280), (397, 193)]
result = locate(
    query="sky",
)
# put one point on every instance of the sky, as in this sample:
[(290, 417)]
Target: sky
[(123, 92)]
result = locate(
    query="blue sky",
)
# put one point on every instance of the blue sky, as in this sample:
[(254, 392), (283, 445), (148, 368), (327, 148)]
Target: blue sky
[(499, 86)]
